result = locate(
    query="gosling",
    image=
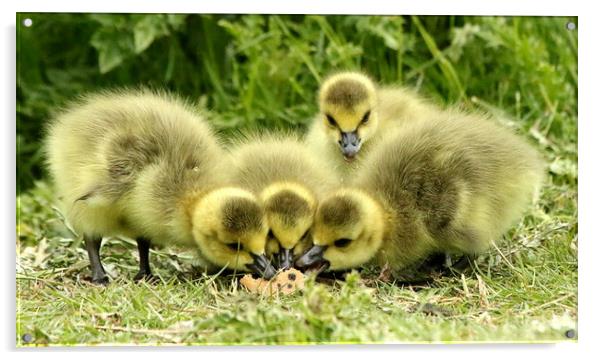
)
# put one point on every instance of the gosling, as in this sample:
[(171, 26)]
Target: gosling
[(289, 181), (144, 165), (354, 113), (450, 184)]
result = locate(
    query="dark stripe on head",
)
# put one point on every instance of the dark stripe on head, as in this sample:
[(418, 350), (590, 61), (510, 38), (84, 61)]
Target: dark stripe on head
[(346, 92), (289, 206), (241, 215), (340, 210)]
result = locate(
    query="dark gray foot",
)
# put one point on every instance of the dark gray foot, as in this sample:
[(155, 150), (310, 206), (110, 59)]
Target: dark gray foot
[(104, 280), (99, 276)]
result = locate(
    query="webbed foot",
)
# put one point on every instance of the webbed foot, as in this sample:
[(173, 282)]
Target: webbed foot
[(102, 279)]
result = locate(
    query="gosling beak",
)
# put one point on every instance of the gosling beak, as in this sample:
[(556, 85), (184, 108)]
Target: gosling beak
[(285, 258), (311, 257), (261, 265), (350, 144)]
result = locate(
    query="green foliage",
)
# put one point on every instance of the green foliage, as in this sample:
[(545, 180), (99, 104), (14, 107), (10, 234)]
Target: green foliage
[(123, 36), (263, 71)]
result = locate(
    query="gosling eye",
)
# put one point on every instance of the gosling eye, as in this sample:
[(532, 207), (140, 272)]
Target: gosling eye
[(366, 117), (234, 246), (341, 243), (331, 120)]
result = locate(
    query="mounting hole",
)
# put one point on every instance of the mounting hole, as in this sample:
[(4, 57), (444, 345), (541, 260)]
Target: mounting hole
[(27, 338), (571, 26), (27, 22), (570, 334)]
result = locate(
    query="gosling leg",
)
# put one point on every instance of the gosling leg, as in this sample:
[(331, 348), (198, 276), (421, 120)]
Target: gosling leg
[(99, 276), (144, 252)]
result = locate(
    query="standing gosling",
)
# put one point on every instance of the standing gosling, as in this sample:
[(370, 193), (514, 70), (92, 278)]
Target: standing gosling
[(354, 113), (450, 184), (146, 166), (290, 181)]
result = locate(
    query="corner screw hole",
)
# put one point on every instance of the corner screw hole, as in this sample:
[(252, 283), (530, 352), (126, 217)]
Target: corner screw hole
[(27, 338)]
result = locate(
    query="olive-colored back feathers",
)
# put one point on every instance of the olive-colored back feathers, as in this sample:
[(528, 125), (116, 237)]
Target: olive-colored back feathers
[(459, 180), (122, 150), (264, 159)]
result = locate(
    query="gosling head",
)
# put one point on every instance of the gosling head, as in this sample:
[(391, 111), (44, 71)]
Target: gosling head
[(348, 109), (289, 209), (230, 228), (347, 232)]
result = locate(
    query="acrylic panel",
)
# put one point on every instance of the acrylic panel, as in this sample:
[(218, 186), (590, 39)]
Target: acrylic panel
[(398, 191)]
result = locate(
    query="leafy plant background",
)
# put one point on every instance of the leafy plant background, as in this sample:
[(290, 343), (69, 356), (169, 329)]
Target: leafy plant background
[(263, 71)]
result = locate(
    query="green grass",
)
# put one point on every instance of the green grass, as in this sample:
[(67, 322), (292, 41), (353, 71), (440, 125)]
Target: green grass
[(521, 69)]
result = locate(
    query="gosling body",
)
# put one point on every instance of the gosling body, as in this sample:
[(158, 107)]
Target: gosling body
[(454, 183), (355, 113), (145, 165), (289, 180)]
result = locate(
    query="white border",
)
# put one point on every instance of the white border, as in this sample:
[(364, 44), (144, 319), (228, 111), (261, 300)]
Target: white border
[(373, 7), (589, 161)]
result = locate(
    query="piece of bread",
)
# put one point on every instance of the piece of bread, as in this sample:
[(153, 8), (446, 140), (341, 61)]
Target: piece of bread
[(286, 282)]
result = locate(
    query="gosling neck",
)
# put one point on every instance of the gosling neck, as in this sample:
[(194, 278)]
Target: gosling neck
[(376, 223)]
